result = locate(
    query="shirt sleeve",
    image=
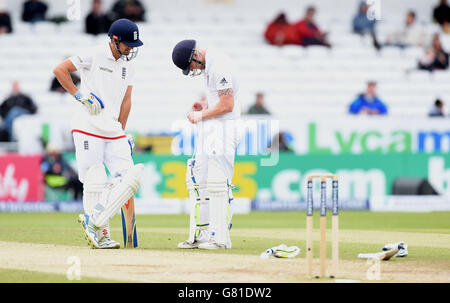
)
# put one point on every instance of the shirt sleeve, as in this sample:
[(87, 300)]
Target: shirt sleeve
[(131, 76), (355, 106), (382, 108), (82, 61), (223, 80)]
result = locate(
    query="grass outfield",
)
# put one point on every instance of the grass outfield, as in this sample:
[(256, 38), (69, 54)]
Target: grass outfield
[(427, 234)]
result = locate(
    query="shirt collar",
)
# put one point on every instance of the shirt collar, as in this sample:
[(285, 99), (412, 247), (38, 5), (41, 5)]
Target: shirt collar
[(109, 53), (207, 62)]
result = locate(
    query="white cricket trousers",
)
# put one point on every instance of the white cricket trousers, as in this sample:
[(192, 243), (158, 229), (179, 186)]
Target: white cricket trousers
[(217, 139), (115, 153)]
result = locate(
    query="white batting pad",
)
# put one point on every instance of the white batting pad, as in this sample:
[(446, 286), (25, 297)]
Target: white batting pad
[(117, 193), (218, 188), (94, 184), (198, 205)]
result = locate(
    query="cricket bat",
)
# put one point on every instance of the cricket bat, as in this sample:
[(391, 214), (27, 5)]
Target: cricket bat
[(129, 224)]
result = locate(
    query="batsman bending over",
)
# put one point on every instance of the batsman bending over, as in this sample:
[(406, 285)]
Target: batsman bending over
[(98, 128), (210, 171)]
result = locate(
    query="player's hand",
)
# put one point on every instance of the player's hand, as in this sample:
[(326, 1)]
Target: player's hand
[(93, 104), (198, 106), (194, 117), (131, 142)]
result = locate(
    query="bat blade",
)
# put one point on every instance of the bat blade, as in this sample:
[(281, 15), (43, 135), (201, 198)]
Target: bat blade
[(129, 224)]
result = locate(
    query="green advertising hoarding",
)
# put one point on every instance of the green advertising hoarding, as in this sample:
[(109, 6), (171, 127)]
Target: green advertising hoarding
[(360, 176)]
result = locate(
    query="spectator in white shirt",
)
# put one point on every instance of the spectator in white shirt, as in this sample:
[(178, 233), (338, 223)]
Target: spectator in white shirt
[(413, 34)]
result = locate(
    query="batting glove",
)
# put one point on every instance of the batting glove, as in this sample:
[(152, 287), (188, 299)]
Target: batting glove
[(283, 251), (131, 142), (93, 104)]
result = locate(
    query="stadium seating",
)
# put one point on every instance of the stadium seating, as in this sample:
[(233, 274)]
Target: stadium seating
[(297, 81)]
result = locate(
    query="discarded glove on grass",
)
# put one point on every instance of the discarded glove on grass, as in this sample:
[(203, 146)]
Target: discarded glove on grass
[(389, 250), (281, 251)]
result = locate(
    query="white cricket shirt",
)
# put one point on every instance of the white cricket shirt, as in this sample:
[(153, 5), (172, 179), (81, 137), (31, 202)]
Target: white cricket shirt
[(108, 79), (220, 73)]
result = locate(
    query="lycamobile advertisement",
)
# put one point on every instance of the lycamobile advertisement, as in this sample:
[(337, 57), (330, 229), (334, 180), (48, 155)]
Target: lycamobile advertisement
[(385, 138), (349, 135), (352, 135)]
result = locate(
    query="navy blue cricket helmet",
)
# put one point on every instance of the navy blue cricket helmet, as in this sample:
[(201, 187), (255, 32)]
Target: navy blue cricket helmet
[(125, 31), (182, 55)]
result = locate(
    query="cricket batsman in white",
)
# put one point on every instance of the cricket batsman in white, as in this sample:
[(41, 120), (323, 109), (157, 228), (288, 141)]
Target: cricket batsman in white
[(209, 172), (98, 126)]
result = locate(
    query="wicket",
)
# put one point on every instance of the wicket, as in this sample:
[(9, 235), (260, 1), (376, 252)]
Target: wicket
[(323, 225)]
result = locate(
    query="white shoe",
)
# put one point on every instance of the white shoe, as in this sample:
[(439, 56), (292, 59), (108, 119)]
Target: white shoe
[(107, 243), (202, 237), (89, 229), (211, 245), (104, 237), (188, 244)]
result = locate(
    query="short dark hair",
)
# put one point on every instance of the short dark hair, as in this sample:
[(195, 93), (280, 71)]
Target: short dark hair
[(310, 8), (438, 102), (412, 13)]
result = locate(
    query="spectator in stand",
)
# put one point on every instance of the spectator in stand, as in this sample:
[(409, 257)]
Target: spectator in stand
[(16, 105), (59, 174), (5, 19), (413, 34), (130, 9), (368, 103), (441, 15), (363, 26), (97, 22), (280, 32), (34, 11), (56, 86), (309, 32), (435, 58), (279, 143), (437, 110), (258, 108)]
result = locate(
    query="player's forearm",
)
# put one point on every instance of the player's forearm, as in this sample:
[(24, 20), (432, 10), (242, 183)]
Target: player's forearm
[(125, 107), (124, 112), (62, 73), (224, 106)]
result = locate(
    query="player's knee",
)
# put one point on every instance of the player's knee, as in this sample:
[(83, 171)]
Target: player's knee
[(217, 180), (132, 176), (190, 177), (95, 178)]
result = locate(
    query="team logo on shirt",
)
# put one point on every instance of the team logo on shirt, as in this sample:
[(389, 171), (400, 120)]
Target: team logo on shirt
[(223, 81), (86, 145), (124, 72), (105, 69)]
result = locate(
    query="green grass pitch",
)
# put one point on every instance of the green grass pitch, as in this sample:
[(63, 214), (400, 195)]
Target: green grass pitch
[(427, 235)]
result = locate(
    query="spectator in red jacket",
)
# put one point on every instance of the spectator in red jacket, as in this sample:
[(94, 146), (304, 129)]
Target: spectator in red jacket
[(280, 32), (309, 32)]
